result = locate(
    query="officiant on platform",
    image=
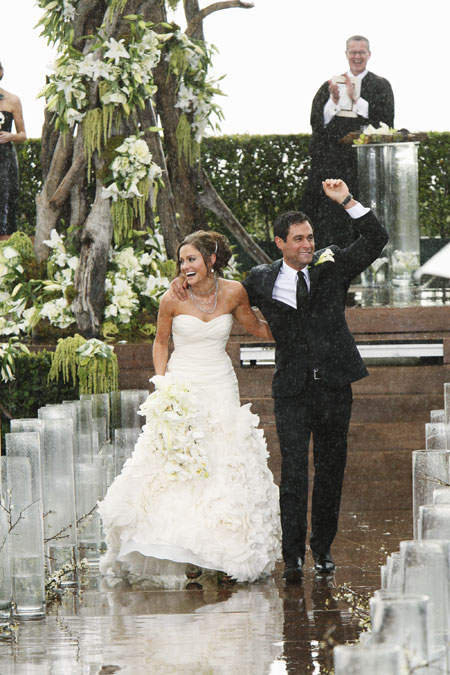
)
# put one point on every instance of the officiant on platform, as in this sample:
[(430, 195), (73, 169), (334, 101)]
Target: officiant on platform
[(343, 104)]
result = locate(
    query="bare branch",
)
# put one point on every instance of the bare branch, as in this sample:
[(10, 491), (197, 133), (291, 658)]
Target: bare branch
[(215, 7), (211, 200)]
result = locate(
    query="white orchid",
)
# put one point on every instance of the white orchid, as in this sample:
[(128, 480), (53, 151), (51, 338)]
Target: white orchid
[(172, 411)]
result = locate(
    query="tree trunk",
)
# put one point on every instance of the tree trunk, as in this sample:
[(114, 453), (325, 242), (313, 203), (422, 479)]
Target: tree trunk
[(91, 273), (179, 205), (165, 201)]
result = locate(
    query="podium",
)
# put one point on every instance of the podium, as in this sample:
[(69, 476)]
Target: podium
[(388, 184)]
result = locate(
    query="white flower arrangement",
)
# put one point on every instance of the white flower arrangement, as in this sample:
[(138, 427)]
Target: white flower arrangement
[(94, 348), (135, 282), (172, 412), (195, 92), (132, 165), (125, 74), (123, 300)]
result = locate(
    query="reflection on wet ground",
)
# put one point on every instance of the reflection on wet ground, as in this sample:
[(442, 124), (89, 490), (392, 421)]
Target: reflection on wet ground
[(110, 626)]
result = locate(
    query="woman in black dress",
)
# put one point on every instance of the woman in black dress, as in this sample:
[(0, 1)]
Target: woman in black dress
[(10, 111)]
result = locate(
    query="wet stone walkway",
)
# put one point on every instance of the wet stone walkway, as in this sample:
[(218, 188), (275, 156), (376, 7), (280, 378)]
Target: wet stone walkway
[(109, 626)]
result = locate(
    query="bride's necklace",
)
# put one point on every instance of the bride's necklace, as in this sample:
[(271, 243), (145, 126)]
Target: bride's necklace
[(205, 293), (212, 300)]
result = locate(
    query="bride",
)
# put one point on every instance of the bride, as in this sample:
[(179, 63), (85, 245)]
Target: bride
[(197, 488)]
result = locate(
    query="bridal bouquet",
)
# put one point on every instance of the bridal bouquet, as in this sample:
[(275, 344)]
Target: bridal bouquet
[(172, 414)]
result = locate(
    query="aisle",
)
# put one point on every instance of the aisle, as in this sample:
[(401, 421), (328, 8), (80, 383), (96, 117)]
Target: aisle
[(257, 629)]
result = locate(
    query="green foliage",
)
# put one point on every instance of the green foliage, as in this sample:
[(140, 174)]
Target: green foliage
[(22, 243), (89, 365), (434, 185), (30, 183), (31, 389), (258, 177), (261, 176)]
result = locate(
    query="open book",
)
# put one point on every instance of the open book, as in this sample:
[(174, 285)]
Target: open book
[(344, 99)]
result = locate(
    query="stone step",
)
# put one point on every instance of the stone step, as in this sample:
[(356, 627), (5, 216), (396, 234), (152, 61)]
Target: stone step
[(372, 479), (389, 379), (371, 438), (371, 408)]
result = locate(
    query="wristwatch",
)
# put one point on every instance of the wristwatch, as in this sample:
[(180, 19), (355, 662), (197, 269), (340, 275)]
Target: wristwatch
[(348, 199)]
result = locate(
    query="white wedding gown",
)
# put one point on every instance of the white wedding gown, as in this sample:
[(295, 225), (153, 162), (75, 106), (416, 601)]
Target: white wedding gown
[(215, 505)]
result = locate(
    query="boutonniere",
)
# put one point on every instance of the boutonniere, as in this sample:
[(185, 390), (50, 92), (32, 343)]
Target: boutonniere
[(2, 119), (325, 256)]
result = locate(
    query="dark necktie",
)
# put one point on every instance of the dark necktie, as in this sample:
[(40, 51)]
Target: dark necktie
[(302, 290)]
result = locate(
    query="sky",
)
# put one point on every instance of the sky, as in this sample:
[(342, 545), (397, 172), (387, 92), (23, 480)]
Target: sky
[(275, 56)]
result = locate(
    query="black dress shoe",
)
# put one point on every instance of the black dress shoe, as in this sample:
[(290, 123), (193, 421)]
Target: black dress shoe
[(293, 570), (324, 563)]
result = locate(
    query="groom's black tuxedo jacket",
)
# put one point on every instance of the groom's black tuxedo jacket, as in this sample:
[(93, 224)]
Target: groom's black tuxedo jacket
[(317, 336)]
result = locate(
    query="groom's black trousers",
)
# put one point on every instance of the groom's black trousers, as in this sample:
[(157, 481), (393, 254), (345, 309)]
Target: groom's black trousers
[(324, 413)]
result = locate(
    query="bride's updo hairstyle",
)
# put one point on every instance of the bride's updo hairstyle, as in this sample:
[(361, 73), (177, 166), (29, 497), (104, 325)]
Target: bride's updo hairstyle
[(208, 243)]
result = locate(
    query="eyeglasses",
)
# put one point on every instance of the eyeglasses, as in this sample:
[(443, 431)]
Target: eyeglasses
[(362, 52)]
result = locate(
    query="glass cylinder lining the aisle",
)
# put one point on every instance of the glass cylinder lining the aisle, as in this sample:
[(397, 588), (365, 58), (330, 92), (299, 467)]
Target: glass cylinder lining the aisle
[(28, 444), (124, 408), (5, 565), (26, 541), (434, 521), (60, 529), (441, 495), (100, 410), (88, 491), (431, 470), (403, 620), (435, 437), (426, 572), (22, 424), (367, 659), (124, 442)]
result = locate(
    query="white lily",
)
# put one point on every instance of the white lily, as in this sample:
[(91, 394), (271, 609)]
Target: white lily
[(115, 50)]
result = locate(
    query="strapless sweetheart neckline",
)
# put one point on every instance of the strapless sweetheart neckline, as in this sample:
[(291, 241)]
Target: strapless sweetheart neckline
[(198, 319)]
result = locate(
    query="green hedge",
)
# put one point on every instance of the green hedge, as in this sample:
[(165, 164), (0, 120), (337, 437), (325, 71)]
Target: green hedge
[(31, 390), (434, 185), (261, 176), (30, 175)]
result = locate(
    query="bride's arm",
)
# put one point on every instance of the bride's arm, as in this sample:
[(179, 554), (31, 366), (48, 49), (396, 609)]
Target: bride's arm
[(163, 332), (247, 317)]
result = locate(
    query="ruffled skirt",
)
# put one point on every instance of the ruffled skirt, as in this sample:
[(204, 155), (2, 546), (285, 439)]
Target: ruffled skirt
[(197, 489)]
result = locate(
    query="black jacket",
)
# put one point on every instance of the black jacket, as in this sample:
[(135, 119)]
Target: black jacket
[(317, 336)]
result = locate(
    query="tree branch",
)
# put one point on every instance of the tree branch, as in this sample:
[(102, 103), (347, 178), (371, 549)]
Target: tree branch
[(210, 199), (215, 7), (63, 190)]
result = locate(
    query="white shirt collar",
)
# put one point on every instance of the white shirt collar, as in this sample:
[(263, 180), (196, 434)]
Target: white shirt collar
[(291, 273), (360, 76)]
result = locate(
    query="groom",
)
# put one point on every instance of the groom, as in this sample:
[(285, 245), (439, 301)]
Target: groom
[(302, 297)]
